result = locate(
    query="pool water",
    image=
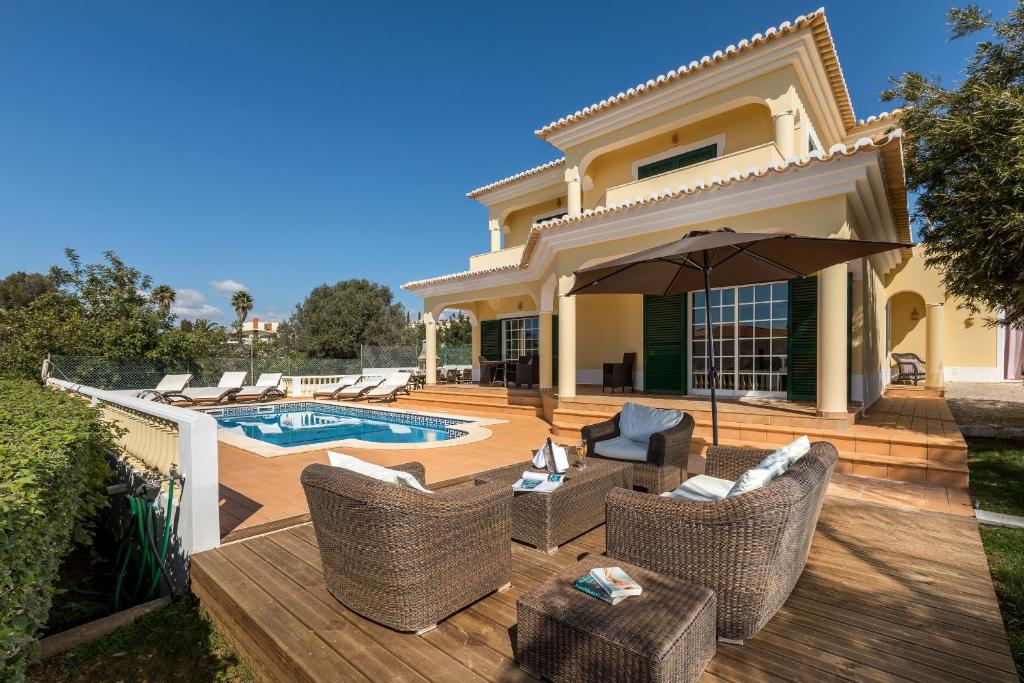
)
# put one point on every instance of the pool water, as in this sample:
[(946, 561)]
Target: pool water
[(289, 426)]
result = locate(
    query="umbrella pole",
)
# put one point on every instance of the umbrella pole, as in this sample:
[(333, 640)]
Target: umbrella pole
[(712, 363)]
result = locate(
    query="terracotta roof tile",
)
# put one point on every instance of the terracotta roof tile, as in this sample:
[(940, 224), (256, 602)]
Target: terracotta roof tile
[(513, 178)]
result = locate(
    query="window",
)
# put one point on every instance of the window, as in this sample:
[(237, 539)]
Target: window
[(519, 337), (751, 326), (674, 163), (811, 144), (550, 217)]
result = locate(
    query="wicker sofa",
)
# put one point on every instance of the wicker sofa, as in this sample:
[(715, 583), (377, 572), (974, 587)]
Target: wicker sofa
[(667, 453), (749, 549), (404, 558)]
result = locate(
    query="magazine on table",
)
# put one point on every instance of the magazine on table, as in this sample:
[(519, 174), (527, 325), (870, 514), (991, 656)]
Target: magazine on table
[(538, 482), (589, 585), (615, 582)]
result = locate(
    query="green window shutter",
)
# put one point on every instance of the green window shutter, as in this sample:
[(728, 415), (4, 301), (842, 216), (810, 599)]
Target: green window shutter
[(490, 339), (554, 350), (694, 156), (664, 340), (849, 337), (802, 376)]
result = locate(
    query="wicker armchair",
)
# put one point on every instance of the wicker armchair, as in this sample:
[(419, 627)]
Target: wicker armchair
[(667, 453), (750, 549), (404, 558), (909, 367), (619, 375)]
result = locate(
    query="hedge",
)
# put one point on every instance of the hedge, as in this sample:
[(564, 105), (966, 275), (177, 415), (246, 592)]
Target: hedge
[(52, 477)]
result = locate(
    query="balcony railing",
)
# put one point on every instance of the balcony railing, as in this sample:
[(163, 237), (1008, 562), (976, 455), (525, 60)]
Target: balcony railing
[(760, 156), (510, 256)]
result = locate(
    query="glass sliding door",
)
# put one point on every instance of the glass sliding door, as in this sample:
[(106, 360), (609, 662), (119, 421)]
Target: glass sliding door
[(751, 327), (519, 337)]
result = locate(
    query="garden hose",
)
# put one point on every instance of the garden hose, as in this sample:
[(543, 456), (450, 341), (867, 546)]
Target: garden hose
[(141, 546)]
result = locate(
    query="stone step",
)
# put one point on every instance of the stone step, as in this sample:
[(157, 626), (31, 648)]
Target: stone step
[(465, 406), (495, 396)]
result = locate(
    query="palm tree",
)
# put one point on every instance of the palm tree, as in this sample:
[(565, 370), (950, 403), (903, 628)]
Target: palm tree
[(164, 296), (242, 303)]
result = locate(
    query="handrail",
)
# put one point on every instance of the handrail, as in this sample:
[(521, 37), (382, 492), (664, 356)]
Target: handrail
[(196, 456)]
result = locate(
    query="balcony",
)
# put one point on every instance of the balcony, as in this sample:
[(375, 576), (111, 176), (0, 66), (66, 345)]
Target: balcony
[(760, 156), (510, 256)]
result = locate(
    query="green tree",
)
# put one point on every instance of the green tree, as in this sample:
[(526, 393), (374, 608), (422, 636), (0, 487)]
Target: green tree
[(965, 158), (102, 309), (242, 302), (164, 296), (21, 288), (455, 331), (335, 320)]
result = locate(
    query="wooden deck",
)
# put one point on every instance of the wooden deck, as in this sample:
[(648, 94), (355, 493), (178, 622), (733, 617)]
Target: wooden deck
[(887, 594)]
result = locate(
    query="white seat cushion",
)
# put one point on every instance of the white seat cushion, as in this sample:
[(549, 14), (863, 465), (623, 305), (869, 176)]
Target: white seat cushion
[(622, 448), (638, 422), (701, 488), (368, 469)]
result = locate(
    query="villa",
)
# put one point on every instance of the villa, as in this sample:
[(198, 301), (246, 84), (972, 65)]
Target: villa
[(758, 137), (426, 549)]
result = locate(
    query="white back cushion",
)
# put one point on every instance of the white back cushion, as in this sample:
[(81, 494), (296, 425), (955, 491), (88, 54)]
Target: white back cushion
[(231, 380), (638, 422), (787, 454), (368, 469)]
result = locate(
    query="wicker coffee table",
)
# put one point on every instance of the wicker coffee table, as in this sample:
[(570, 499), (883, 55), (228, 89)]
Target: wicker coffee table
[(547, 520), (665, 634)]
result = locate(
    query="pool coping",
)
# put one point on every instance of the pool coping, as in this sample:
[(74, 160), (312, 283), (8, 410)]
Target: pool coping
[(475, 428)]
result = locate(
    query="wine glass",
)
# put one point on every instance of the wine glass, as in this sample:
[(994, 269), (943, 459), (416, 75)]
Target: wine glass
[(581, 455)]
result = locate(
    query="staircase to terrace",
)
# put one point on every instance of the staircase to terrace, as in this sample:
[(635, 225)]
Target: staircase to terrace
[(906, 436)]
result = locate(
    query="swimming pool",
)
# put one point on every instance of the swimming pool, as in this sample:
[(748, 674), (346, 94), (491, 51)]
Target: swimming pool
[(308, 423)]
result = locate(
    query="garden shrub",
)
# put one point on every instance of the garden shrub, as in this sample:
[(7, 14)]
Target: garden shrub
[(52, 482)]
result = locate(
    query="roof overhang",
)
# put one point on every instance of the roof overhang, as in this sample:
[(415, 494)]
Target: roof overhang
[(806, 43), (869, 174)]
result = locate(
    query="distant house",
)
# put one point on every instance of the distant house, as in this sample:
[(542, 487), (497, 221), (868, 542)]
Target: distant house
[(259, 328)]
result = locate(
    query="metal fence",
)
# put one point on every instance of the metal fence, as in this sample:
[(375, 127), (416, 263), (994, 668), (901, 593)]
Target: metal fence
[(138, 373), (141, 373), (455, 355)]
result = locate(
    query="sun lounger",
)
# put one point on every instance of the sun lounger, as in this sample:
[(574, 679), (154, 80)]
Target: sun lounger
[(356, 390), (169, 384), (330, 390), (266, 388), (229, 385), (396, 384)]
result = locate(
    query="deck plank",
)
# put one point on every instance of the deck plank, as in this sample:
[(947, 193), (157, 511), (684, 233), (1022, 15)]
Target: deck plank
[(888, 594)]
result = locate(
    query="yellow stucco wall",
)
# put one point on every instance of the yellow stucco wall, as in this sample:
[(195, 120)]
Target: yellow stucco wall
[(519, 222), (608, 325), (967, 344), (743, 127)]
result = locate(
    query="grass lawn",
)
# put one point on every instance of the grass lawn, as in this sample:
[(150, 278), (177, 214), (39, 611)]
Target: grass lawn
[(997, 482), (175, 643)]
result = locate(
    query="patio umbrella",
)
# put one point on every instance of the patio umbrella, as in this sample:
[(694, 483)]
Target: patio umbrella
[(721, 258)]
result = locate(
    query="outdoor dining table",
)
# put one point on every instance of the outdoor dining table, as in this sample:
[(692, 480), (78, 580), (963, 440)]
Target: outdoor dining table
[(487, 368)]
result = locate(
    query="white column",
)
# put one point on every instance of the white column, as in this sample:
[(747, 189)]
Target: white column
[(475, 349), (566, 338), (546, 349), (832, 316), (431, 328), (494, 227), (934, 370), (574, 205), (785, 133)]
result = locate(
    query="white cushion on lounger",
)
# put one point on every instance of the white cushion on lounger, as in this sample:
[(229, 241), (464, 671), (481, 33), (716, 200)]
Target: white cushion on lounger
[(368, 469), (638, 422), (622, 448), (701, 488)]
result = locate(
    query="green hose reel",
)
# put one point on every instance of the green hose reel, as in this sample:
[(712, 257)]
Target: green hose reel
[(140, 548)]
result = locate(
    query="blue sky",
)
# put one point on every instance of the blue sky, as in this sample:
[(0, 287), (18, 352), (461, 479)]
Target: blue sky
[(283, 145)]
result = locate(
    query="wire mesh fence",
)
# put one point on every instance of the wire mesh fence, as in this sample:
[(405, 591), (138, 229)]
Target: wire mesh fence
[(455, 355), (140, 373)]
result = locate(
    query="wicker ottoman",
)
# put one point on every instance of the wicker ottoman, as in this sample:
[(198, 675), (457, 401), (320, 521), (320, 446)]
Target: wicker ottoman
[(547, 520), (665, 634)]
